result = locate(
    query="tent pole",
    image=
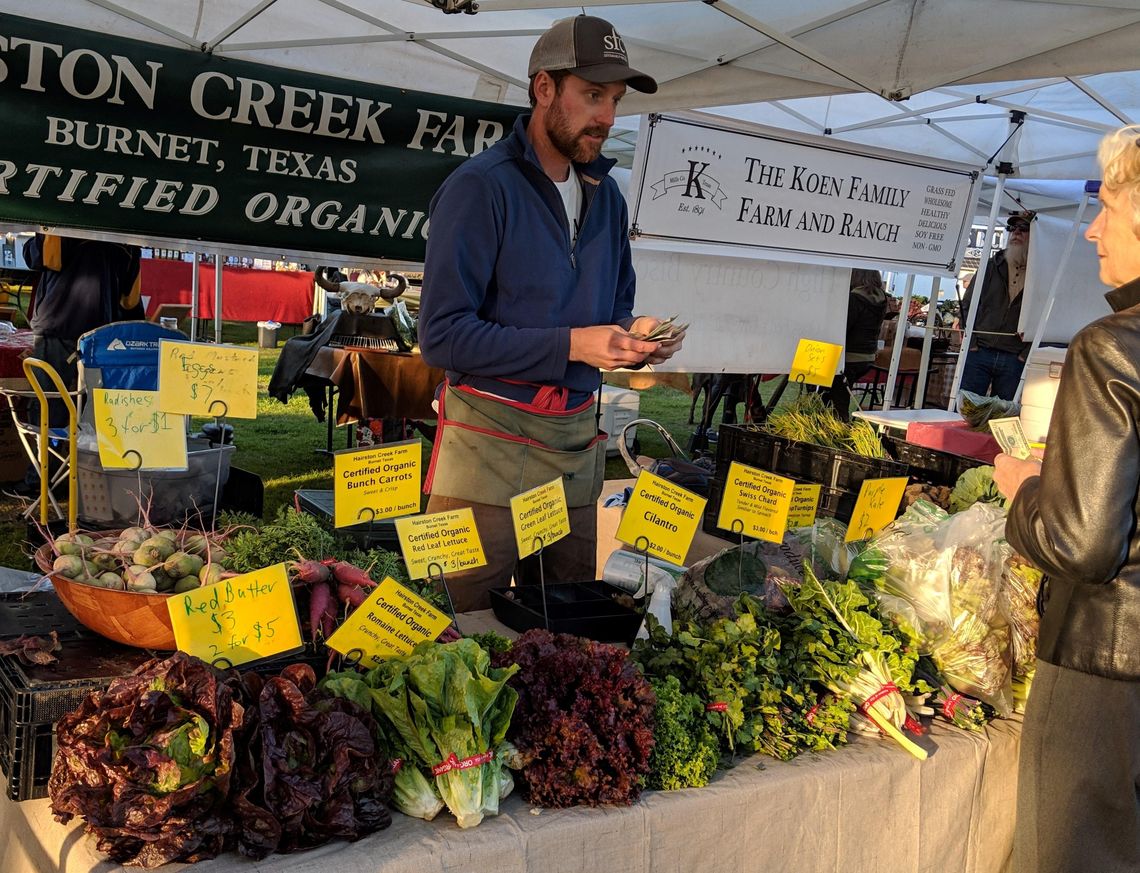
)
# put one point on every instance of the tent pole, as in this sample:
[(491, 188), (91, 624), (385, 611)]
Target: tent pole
[(218, 297), (195, 292), (900, 342), (927, 342), (979, 287), (1039, 334)]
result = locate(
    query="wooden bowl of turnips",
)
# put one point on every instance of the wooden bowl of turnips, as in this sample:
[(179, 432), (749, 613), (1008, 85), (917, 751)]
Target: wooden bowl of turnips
[(117, 582)]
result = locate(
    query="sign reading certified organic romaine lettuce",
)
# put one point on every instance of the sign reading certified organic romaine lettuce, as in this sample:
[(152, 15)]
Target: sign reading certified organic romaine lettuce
[(747, 190)]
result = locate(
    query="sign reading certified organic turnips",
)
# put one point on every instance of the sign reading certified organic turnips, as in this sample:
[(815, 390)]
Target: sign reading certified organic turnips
[(743, 189)]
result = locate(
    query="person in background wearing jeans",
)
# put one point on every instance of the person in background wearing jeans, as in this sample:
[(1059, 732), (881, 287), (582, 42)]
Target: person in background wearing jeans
[(997, 350), (1074, 516), (866, 310)]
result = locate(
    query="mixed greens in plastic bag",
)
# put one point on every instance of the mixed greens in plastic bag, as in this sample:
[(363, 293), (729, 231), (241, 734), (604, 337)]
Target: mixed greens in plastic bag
[(978, 410)]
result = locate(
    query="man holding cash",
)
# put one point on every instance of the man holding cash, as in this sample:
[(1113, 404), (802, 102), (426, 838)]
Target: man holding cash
[(528, 293)]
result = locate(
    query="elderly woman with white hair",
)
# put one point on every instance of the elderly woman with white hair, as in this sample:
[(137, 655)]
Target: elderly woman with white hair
[(1075, 515)]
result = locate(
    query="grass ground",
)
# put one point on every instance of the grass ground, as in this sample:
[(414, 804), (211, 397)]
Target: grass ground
[(282, 445)]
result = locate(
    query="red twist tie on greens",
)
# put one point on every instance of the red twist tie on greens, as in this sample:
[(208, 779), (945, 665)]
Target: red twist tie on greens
[(951, 704), (397, 763), (716, 707), (453, 763), (810, 717), (914, 727), (877, 696)]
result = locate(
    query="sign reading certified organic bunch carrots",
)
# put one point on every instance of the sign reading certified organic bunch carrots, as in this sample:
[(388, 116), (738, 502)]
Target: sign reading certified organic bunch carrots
[(237, 620), (376, 483), (661, 517), (207, 379), (449, 539), (755, 503), (540, 517), (392, 621), (816, 362), (875, 507)]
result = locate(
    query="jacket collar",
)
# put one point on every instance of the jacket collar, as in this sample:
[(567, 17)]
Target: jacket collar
[(522, 148), (1124, 297)]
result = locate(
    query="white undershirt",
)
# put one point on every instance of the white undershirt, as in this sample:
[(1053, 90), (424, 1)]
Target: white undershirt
[(571, 191)]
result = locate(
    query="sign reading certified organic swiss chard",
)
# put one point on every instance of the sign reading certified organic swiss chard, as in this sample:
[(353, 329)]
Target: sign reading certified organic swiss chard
[(124, 136), (747, 190)]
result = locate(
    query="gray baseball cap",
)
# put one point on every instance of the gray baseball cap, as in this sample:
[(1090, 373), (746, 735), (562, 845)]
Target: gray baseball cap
[(588, 47)]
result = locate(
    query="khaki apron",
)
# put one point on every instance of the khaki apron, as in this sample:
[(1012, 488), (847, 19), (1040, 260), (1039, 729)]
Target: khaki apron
[(487, 450)]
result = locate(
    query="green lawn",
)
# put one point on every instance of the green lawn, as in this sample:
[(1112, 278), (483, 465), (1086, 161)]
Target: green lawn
[(282, 445)]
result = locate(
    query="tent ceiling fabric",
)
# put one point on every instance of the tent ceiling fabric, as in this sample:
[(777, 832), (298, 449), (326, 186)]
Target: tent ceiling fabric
[(830, 64)]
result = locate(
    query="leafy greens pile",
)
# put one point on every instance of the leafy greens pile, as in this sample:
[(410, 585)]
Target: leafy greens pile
[(685, 749), (584, 723), (180, 762), (443, 711)]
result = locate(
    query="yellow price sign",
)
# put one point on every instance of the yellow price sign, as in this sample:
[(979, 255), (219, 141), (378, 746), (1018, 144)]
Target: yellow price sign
[(391, 622), (805, 503), (875, 507), (449, 539), (755, 503), (540, 517), (661, 517), (207, 379), (816, 361), (240, 619), (379, 482), (133, 434)]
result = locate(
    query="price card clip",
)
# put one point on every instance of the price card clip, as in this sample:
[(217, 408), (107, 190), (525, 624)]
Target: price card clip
[(739, 555), (221, 420), (137, 470), (353, 657), (436, 575), (537, 545), (371, 517), (644, 549)]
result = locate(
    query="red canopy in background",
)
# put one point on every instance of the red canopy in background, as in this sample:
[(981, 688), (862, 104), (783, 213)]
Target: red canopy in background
[(247, 294)]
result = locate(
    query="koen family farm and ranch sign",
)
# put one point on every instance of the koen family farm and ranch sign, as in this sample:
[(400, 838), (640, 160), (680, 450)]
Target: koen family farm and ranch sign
[(751, 191), (128, 137)]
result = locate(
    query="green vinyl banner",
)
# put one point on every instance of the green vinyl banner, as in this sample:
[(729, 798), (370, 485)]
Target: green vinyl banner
[(123, 136)]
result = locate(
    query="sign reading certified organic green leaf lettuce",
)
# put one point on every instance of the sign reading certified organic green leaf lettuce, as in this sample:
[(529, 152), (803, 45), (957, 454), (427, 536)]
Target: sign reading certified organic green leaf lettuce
[(123, 135)]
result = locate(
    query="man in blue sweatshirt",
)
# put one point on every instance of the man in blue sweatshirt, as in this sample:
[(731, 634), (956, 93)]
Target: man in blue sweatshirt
[(528, 293)]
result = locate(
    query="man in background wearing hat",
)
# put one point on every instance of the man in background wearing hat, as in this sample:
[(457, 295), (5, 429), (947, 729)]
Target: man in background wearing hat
[(997, 349), (528, 293)]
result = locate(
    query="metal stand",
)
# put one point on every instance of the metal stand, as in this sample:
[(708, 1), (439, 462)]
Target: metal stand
[(220, 420), (538, 547), (435, 575)]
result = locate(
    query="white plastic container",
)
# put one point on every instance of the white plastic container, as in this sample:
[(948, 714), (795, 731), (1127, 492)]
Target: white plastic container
[(1042, 376), (620, 406)]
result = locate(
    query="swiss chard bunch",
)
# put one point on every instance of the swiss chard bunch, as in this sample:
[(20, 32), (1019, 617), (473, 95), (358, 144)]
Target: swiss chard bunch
[(584, 723), (149, 763)]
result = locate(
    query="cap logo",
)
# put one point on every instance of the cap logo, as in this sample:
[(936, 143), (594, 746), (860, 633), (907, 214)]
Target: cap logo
[(613, 43)]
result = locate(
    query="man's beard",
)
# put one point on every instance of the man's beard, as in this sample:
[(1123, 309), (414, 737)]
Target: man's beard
[(568, 141), (1017, 253)]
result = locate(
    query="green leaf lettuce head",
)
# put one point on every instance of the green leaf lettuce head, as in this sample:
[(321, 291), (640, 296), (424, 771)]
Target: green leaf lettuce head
[(685, 750), (973, 486)]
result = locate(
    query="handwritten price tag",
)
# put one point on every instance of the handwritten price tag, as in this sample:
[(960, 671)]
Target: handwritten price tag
[(207, 379), (241, 619), (392, 621), (816, 361), (133, 434), (449, 539), (540, 514), (664, 515), (805, 503), (755, 503), (875, 508), (379, 482)]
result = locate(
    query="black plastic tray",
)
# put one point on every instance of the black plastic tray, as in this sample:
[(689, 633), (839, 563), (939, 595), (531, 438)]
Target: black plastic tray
[(833, 503), (931, 466), (381, 534), (585, 609), (35, 613)]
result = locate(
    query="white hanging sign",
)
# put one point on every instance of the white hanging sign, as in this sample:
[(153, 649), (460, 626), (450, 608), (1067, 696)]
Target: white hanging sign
[(742, 189)]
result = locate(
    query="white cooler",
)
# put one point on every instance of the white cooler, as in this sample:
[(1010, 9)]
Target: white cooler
[(1042, 376), (619, 407)]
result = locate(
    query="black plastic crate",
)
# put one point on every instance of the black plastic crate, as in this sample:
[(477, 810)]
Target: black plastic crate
[(833, 503), (585, 609), (805, 462), (26, 757), (931, 466), (35, 613), (380, 534)]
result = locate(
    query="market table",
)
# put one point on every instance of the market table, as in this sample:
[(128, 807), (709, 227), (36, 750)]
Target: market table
[(375, 384), (14, 347), (901, 419), (866, 807)]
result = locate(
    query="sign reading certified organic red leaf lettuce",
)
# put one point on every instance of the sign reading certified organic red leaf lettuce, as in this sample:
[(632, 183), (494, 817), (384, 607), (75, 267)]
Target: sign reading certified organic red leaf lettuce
[(741, 189)]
